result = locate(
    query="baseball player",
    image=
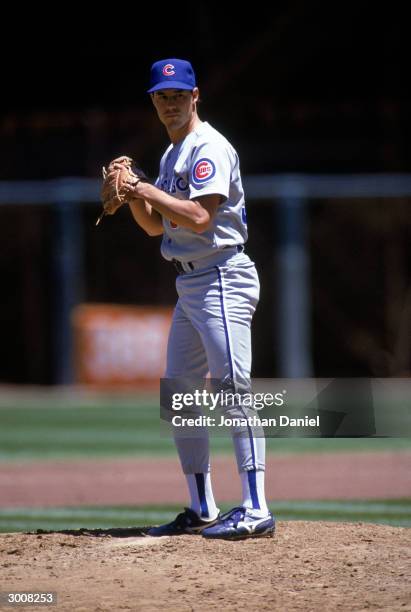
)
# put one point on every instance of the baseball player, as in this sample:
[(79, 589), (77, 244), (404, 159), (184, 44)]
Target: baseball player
[(197, 205)]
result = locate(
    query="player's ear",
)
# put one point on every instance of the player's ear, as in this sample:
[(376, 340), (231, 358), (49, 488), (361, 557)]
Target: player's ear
[(196, 94)]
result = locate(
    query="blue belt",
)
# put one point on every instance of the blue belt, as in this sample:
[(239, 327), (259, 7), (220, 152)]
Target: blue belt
[(179, 266)]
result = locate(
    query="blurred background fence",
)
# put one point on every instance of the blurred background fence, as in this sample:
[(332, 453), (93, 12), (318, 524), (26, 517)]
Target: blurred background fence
[(333, 253)]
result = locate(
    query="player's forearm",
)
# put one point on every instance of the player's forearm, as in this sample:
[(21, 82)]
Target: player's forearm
[(185, 213), (146, 217)]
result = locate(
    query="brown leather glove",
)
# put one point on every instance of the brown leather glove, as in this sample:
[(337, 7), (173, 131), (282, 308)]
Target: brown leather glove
[(119, 180)]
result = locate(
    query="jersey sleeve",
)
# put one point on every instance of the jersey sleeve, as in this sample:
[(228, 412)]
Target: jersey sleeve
[(210, 171)]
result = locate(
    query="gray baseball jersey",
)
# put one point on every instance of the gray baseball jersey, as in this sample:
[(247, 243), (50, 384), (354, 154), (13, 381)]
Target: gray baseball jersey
[(219, 291), (201, 164)]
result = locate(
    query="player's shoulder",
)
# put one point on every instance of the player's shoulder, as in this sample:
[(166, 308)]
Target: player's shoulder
[(207, 134)]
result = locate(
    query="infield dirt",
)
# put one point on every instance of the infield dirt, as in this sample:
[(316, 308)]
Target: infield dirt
[(306, 566)]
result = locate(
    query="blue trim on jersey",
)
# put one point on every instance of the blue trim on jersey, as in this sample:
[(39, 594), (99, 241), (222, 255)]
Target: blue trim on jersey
[(230, 359), (202, 494), (252, 483)]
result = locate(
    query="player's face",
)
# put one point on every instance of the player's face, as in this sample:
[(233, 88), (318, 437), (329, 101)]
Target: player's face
[(175, 107)]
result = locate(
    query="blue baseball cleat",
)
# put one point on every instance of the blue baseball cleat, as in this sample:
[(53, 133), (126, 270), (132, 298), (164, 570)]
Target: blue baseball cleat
[(240, 523), (187, 522)]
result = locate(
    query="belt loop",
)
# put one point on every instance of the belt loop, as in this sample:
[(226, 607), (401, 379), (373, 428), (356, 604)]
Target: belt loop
[(188, 266), (178, 266)]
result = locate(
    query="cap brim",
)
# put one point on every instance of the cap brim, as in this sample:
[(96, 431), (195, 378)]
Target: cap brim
[(170, 85)]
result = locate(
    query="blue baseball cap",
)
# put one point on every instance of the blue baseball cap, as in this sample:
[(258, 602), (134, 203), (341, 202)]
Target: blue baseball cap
[(172, 74)]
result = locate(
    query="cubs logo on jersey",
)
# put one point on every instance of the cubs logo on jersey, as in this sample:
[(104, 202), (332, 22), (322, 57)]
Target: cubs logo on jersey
[(203, 171), (176, 184)]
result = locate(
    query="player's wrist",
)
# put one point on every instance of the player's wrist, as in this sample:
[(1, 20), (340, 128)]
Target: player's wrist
[(132, 191), (140, 189)]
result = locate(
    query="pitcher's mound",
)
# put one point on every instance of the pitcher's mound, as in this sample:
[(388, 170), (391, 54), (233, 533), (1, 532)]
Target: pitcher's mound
[(306, 566)]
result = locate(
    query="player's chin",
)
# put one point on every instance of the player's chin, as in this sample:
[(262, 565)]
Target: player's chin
[(173, 122)]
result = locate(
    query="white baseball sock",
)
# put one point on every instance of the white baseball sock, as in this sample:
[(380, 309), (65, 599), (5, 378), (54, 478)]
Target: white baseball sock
[(201, 493), (252, 482)]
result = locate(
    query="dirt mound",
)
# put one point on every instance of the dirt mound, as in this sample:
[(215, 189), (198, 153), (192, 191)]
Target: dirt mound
[(306, 566)]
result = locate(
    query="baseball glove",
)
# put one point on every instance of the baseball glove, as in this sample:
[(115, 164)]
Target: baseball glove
[(119, 180)]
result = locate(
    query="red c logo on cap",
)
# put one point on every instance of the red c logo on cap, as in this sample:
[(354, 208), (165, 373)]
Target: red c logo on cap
[(168, 70)]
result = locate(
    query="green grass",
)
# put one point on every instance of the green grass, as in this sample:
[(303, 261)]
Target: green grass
[(391, 512), (81, 430), (55, 427)]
